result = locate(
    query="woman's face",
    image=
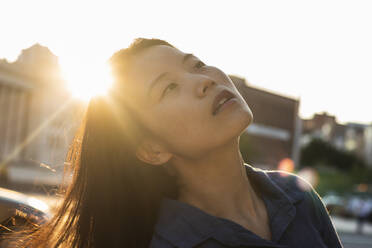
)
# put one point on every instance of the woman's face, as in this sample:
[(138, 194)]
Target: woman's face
[(174, 93)]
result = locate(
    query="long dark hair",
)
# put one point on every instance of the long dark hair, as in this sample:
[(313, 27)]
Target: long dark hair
[(113, 198)]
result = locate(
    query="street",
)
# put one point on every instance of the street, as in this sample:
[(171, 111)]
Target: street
[(346, 231), (351, 240)]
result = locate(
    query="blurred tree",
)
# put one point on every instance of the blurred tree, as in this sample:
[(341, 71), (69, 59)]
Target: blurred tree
[(321, 152)]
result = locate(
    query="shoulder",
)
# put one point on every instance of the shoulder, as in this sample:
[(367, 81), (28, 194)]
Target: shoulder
[(279, 183), (289, 181), (294, 183), (299, 188), (295, 186)]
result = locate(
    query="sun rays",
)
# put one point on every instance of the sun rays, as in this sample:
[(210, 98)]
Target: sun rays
[(86, 79), (34, 134)]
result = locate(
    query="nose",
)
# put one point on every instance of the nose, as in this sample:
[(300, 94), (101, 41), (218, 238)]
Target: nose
[(203, 86)]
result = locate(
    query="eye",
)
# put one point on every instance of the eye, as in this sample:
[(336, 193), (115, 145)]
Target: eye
[(199, 65), (170, 86)]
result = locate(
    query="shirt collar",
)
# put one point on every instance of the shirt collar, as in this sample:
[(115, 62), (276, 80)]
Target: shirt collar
[(281, 193), (186, 226), (275, 185)]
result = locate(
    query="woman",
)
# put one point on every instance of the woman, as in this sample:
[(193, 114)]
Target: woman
[(157, 164)]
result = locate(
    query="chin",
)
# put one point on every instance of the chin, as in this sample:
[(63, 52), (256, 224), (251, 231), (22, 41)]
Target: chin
[(241, 123), (245, 120)]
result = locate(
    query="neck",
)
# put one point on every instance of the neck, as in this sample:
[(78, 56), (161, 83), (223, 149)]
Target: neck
[(217, 183)]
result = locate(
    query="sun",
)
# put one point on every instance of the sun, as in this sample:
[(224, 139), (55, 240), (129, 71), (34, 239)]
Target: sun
[(86, 79)]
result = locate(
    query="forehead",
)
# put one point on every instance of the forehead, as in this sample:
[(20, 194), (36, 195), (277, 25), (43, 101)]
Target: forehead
[(154, 60), (156, 54), (150, 63)]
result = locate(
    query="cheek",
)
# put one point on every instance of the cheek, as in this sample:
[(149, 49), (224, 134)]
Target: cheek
[(183, 127), (183, 122)]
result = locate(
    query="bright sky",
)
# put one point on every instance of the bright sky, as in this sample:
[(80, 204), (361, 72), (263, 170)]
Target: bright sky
[(318, 51)]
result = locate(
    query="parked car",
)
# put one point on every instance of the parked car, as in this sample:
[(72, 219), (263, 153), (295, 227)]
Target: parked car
[(336, 205), (17, 209)]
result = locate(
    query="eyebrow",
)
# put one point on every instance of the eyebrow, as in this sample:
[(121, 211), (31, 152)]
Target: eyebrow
[(164, 74)]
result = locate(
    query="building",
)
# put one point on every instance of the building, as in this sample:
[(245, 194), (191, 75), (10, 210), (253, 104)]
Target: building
[(15, 98), (275, 131), (323, 126), (36, 113), (351, 137)]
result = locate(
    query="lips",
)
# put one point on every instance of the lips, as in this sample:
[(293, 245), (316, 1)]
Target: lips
[(220, 99)]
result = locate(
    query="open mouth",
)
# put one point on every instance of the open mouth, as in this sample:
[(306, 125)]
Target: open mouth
[(220, 99)]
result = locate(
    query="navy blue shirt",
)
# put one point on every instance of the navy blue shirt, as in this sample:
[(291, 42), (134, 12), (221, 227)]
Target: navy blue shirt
[(297, 217)]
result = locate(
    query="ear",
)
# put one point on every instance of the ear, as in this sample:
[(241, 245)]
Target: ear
[(152, 153)]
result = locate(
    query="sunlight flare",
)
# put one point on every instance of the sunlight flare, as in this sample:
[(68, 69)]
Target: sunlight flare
[(286, 165), (86, 79)]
